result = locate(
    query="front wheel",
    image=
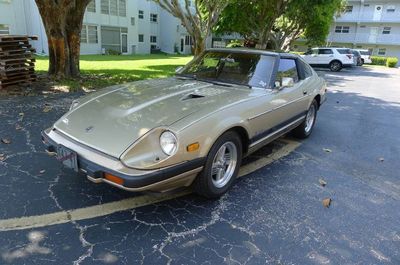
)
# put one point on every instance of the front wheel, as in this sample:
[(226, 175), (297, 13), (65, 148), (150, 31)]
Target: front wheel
[(305, 128), (221, 168)]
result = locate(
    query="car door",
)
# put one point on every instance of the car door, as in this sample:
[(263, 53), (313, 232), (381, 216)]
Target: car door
[(282, 105), (325, 56)]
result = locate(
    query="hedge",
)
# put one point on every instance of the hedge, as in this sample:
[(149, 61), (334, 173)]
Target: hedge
[(386, 61), (392, 62)]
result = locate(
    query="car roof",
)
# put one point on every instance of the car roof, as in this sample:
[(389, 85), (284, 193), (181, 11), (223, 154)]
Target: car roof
[(254, 51)]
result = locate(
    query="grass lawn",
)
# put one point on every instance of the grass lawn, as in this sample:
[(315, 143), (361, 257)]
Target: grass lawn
[(99, 71)]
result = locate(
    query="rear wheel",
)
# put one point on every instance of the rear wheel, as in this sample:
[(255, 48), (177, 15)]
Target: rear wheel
[(335, 66), (221, 168), (305, 129)]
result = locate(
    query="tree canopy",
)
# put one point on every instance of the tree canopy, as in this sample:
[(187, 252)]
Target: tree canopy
[(276, 23)]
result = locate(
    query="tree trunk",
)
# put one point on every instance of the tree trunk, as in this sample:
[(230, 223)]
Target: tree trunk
[(62, 20)]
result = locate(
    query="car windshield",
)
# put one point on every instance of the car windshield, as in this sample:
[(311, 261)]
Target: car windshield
[(248, 69)]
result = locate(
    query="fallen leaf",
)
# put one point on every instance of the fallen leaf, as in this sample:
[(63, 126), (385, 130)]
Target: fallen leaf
[(2, 157), (51, 153), (21, 114), (381, 159), (326, 202), (18, 127), (47, 108), (5, 141), (322, 182), (327, 150), (42, 171)]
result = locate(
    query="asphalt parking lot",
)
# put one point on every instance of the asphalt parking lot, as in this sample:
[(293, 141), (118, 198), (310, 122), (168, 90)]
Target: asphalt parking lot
[(273, 215)]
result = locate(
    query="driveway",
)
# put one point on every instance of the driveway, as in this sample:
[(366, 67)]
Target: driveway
[(273, 215)]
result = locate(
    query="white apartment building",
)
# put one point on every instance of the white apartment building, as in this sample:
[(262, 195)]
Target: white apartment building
[(125, 26), (369, 24)]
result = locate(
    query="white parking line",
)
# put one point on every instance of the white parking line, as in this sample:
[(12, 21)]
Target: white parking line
[(62, 217)]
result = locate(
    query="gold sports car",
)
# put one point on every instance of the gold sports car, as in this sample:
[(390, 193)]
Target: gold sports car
[(191, 129)]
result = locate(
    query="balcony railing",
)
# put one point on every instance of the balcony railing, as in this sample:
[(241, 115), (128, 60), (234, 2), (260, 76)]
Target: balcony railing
[(390, 39)]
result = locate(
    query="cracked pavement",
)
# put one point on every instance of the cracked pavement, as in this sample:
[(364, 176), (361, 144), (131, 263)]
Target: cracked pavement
[(274, 215)]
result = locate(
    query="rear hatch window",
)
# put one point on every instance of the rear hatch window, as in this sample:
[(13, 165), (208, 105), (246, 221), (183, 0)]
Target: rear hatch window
[(365, 53), (344, 51)]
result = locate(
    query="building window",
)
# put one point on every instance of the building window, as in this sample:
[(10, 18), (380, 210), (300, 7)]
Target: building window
[(122, 8), (348, 9), (92, 34), (132, 21), (4, 29), (141, 38), (391, 9), (153, 17), (89, 34), (91, 7), (386, 30), (105, 7), (382, 51), (113, 7), (342, 29), (188, 40), (153, 39), (141, 14)]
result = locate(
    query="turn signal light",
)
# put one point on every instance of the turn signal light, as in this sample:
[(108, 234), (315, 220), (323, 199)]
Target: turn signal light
[(113, 179), (193, 147)]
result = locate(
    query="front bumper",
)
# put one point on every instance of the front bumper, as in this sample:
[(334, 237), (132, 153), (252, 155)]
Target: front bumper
[(97, 165)]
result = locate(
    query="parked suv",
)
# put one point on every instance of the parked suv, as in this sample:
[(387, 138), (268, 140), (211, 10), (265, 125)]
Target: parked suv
[(357, 58), (333, 58), (365, 56)]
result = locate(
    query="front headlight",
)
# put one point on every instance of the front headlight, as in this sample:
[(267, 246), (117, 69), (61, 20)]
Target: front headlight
[(168, 143), (74, 104)]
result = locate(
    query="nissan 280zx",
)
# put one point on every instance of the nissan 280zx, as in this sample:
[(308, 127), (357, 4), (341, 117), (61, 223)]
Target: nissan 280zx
[(191, 129)]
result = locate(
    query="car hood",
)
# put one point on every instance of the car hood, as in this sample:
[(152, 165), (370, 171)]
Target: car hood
[(112, 121)]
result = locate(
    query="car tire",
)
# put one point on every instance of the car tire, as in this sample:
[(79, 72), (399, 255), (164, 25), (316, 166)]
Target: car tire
[(221, 167), (335, 66), (305, 128)]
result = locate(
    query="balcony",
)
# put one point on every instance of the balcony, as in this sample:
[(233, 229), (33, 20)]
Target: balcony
[(389, 39)]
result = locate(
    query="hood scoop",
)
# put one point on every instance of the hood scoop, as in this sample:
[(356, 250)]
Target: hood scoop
[(192, 96)]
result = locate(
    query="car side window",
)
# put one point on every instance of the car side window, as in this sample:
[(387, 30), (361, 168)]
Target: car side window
[(303, 69), (288, 68), (325, 51)]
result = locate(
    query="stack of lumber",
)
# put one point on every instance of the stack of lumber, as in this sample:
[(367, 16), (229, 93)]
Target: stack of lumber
[(17, 62)]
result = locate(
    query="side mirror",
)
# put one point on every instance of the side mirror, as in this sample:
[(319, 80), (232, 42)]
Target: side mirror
[(286, 82), (177, 70)]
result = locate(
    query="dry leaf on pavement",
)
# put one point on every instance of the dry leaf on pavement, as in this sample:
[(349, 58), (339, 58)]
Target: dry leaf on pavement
[(2, 157), (47, 108), (327, 150), (42, 171), (322, 182), (381, 159), (326, 202), (5, 141)]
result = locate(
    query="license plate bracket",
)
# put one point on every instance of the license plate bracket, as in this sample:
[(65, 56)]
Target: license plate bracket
[(67, 157)]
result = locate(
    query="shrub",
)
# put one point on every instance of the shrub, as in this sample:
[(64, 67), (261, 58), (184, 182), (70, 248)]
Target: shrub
[(298, 53), (234, 44), (391, 62), (378, 60)]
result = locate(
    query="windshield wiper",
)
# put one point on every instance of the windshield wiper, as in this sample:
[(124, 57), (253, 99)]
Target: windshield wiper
[(218, 83)]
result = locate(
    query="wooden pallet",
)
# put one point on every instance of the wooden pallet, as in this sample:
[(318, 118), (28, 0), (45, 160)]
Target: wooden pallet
[(17, 62)]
